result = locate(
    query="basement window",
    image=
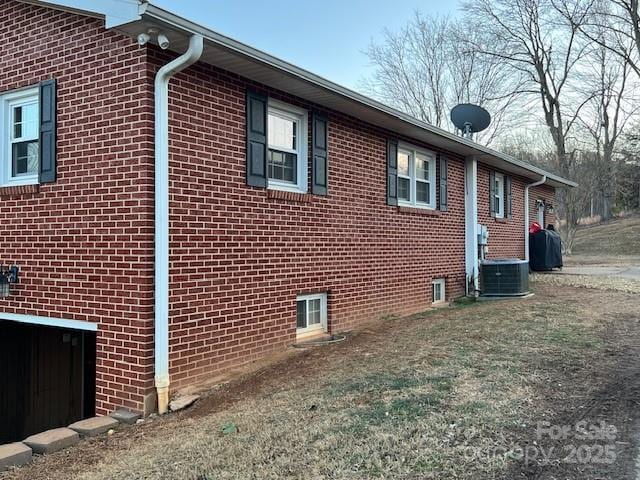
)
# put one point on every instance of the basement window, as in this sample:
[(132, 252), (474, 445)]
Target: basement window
[(19, 144), (311, 313), (439, 294)]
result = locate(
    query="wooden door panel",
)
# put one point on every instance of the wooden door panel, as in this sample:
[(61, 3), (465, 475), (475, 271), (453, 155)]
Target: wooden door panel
[(41, 370)]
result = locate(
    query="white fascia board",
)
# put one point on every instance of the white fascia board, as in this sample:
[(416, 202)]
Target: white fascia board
[(121, 12), (114, 12), (462, 146)]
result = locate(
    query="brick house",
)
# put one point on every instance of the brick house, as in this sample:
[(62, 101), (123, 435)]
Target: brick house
[(173, 232)]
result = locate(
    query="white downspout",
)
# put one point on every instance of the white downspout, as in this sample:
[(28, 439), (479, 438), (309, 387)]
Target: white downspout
[(526, 214), (163, 76), (471, 224)]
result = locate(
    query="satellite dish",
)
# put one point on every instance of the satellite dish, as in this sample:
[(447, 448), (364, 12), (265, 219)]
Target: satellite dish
[(470, 119)]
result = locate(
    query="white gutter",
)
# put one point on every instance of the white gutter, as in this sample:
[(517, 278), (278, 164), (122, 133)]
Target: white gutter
[(163, 76), (168, 20), (526, 214)]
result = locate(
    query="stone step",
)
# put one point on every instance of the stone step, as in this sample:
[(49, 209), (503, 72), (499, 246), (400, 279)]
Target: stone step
[(125, 416), (52, 440), (182, 402), (13, 455), (94, 426)]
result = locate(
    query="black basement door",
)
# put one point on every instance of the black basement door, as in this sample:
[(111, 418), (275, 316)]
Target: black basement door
[(47, 378)]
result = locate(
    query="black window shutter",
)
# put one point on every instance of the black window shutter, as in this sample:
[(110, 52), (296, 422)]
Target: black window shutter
[(392, 172), (509, 196), (444, 188), (492, 193), (256, 139), (47, 139), (320, 164)]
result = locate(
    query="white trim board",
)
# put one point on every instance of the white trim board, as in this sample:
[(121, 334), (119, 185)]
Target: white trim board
[(49, 321)]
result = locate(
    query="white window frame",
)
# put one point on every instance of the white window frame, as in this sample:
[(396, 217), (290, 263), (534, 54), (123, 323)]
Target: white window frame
[(301, 117), (442, 283), (7, 102), (322, 326), (412, 150), (499, 194)]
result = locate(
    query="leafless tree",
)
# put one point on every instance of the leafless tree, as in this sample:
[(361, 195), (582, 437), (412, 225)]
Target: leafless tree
[(620, 18), (613, 104), (411, 68), (629, 193), (564, 66), (426, 68), (541, 47)]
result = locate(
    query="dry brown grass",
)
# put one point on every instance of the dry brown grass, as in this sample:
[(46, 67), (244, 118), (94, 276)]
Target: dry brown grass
[(390, 412), (617, 238), (609, 283), (432, 396)]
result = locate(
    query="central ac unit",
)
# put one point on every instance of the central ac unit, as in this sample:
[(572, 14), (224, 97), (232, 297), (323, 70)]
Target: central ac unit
[(507, 277)]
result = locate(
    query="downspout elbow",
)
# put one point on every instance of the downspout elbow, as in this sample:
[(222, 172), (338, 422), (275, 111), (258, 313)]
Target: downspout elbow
[(161, 293), (188, 58)]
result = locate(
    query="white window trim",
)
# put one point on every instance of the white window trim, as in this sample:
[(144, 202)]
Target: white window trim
[(50, 321), (499, 195), (301, 116), (413, 150), (442, 283), (322, 326), (7, 101)]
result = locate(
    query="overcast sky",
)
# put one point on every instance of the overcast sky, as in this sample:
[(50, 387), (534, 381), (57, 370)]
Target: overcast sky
[(327, 37)]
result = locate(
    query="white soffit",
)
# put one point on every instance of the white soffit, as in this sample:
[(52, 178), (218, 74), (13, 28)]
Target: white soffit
[(115, 12), (132, 17)]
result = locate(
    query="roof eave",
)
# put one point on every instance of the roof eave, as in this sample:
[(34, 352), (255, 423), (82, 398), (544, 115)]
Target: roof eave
[(139, 15), (114, 12), (464, 146)]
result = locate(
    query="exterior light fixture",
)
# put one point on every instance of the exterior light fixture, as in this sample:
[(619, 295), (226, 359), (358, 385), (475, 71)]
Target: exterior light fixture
[(8, 276), (143, 39), (163, 41), (161, 38)]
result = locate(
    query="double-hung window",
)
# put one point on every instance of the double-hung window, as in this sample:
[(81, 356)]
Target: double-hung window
[(416, 177), (19, 143), (287, 155), (498, 195)]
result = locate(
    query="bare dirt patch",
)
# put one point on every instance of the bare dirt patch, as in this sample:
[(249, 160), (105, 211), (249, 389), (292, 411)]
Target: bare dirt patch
[(453, 393)]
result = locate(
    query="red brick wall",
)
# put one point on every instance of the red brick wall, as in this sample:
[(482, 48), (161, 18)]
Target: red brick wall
[(506, 235), (84, 244), (546, 194), (239, 258)]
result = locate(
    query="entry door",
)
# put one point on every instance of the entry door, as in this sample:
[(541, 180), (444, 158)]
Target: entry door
[(541, 214), (43, 378)]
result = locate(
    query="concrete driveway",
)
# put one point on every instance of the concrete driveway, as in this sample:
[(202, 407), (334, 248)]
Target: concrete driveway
[(623, 271)]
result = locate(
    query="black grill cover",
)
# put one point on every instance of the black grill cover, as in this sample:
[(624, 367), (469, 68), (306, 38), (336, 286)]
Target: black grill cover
[(545, 250)]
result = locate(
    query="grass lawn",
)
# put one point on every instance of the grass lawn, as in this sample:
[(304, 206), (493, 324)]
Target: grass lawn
[(614, 242), (449, 394)]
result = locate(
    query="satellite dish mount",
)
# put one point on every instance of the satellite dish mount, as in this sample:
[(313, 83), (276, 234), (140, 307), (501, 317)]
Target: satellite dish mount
[(470, 119)]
